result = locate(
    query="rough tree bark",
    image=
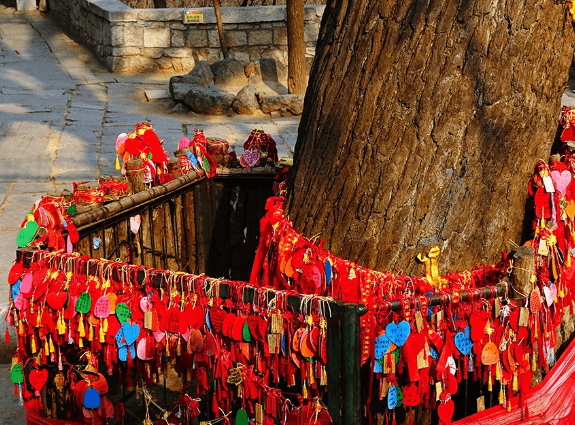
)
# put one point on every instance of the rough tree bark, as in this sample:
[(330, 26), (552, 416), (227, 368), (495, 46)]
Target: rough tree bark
[(421, 124), (297, 80)]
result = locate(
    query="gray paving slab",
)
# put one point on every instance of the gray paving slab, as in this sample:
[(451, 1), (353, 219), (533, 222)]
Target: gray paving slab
[(69, 176), (4, 187), (40, 188), (14, 209), (13, 410)]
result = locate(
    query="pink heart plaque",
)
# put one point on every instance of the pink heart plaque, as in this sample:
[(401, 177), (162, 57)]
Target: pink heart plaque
[(550, 294), (561, 180), (251, 157)]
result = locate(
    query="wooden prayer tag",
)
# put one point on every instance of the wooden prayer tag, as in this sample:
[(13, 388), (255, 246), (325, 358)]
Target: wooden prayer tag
[(380, 419), (543, 249), (423, 358), (418, 321), (438, 390), (259, 414), (235, 376), (384, 388), (273, 343), (277, 323), (148, 320), (524, 317), (481, 404), (497, 307)]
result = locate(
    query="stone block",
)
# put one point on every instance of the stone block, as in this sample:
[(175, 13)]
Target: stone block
[(280, 36), (309, 14), (157, 37), (311, 32), (200, 75), (289, 102), (178, 52), (260, 37), (116, 35), (134, 64), (187, 63), (157, 25), (153, 52), (133, 35), (241, 56), (213, 38), (126, 51), (121, 15), (236, 38), (197, 38), (177, 64), (228, 72), (160, 15), (179, 27), (246, 101), (209, 100), (178, 38), (152, 95), (165, 63)]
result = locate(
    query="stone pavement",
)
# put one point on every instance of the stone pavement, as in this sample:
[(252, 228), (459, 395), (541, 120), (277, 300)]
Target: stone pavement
[(60, 114)]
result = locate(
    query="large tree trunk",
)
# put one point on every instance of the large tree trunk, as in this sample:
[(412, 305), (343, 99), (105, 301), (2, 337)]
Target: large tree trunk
[(421, 124), (297, 78)]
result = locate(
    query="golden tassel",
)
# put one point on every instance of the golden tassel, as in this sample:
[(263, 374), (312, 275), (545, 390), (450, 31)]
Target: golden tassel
[(515, 384), (33, 347), (102, 334), (61, 326), (20, 328), (80, 343), (46, 347), (304, 391), (117, 162), (490, 382), (90, 333), (323, 380), (52, 348), (497, 372), (179, 347), (501, 397), (105, 326), (81, 330), (310, 374), (533, 363)]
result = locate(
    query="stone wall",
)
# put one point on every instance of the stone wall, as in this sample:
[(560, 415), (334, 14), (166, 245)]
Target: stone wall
[(143, 4), (130, 40)]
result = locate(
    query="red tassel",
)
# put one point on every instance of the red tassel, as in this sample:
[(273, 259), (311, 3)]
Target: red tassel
[(393, 422), (410, 416), (215, 407), (15, 390), (7, 336)]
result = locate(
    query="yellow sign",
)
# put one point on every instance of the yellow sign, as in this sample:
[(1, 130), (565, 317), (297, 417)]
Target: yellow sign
[(193, 16)]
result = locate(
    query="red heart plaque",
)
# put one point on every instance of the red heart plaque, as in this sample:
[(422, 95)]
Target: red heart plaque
[(38, 379)]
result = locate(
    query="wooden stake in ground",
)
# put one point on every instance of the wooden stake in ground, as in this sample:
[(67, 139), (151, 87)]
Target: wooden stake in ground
[(223, 41), (421, 123), (297, 80)]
